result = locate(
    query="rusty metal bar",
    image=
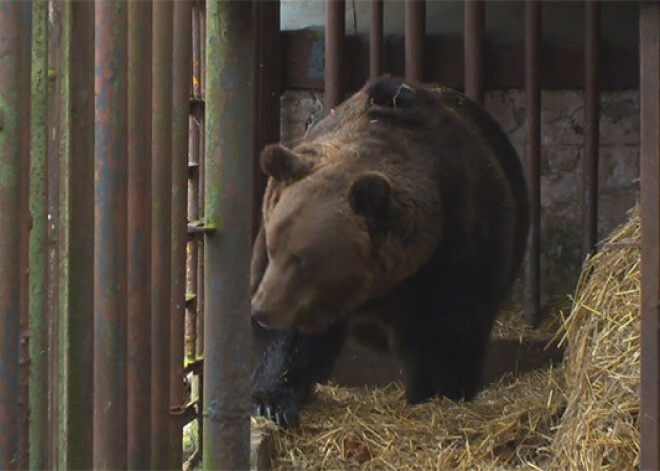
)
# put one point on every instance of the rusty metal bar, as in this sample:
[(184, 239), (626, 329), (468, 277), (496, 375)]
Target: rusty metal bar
[(533, 159), (267, 94), (38, 344), (649, 99), (180, 113), (474, 49), (161, 248), (591, 119), (335, 29), (15, 26), (199, 344), (376, 39), (75, 280), (139, 234), (415, 32), (196, 51), (228, 191), (110, 234)]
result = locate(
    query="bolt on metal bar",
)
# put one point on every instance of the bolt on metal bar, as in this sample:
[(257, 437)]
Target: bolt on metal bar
[(38, 344), (335, 29), (415, 32), (15, 26), (161, 248), (267, 95), (181, 83), (376, 39), (591, 119), (474, 49), (75, 271), (228, 191), (533, 159), (110, 234), (649, 138), (139, 234)]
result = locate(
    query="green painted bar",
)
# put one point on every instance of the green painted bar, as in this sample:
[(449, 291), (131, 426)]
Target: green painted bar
[(228, 195), (180, 111), (76, 237), (38, 345)]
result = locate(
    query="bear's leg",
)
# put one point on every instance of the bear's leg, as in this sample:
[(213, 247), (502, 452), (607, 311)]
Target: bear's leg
[(289, 367), (459, 363), (418, 368)]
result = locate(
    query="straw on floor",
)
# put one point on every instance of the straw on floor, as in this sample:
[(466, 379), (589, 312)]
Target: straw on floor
[(581, 415)]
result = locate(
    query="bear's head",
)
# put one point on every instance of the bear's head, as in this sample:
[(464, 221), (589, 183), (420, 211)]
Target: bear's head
[(320, 238)]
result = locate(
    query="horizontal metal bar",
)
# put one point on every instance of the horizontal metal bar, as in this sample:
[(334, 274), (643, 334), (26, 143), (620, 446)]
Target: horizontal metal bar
[(198, 227)]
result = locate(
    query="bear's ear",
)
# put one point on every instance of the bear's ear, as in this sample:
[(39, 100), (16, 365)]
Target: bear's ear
[(369, 196), (285, 165)]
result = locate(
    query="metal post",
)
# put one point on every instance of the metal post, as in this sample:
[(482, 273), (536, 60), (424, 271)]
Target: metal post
[(533, 158), (161, 249), (414, 40), (192, 256), (38, 344), (649, 138), (180, 112), (591, 115), (229, 141), (15, 26), (267, 94), (110, 234), (139, 234), (376, 39), (474, 49), (335, 27), (75, 380)]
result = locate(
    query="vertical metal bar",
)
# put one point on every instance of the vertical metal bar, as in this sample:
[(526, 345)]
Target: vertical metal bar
[(649, 99), (75, 330), (38, 345), (161, 249), (591, 118), (23, 262), (415, 31), (110, 234), (199, 346), (267, 94), (15, 25), (229, 141), (192, 280), (139, 234), (180, 113), (376, 39), (474, 49), (533, 158), (335, 28)]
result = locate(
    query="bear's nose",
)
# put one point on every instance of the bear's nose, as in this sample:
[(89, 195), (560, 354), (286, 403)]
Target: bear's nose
[(260, 317)]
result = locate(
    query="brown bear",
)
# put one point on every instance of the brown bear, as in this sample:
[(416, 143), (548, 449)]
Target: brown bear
[(404, 209)]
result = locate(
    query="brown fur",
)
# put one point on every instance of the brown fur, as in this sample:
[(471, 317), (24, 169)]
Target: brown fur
[(405, 206)]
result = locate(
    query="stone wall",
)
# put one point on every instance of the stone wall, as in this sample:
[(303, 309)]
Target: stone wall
[(562, 121)]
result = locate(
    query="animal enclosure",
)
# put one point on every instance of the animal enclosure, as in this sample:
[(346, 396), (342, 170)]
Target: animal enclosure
[(130, 192)]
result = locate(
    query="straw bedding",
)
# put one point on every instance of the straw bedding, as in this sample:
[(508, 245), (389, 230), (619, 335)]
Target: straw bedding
[(580, 415)]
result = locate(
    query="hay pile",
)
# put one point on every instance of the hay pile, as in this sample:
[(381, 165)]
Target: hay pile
[(600, 428), (582, 415)]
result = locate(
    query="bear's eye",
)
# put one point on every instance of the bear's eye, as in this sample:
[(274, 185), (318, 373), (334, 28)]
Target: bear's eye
[(302, 263)]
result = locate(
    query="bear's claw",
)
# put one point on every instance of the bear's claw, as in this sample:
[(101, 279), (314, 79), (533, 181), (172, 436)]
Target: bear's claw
[(283, 415)]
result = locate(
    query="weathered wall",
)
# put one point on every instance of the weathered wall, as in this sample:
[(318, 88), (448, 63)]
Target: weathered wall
[(562, 136)]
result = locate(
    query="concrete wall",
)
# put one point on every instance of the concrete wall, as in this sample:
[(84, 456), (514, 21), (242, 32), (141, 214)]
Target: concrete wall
[(562, 135)]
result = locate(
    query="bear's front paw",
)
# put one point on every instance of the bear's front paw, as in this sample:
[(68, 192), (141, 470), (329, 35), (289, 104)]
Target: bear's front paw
[(281, 407)]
